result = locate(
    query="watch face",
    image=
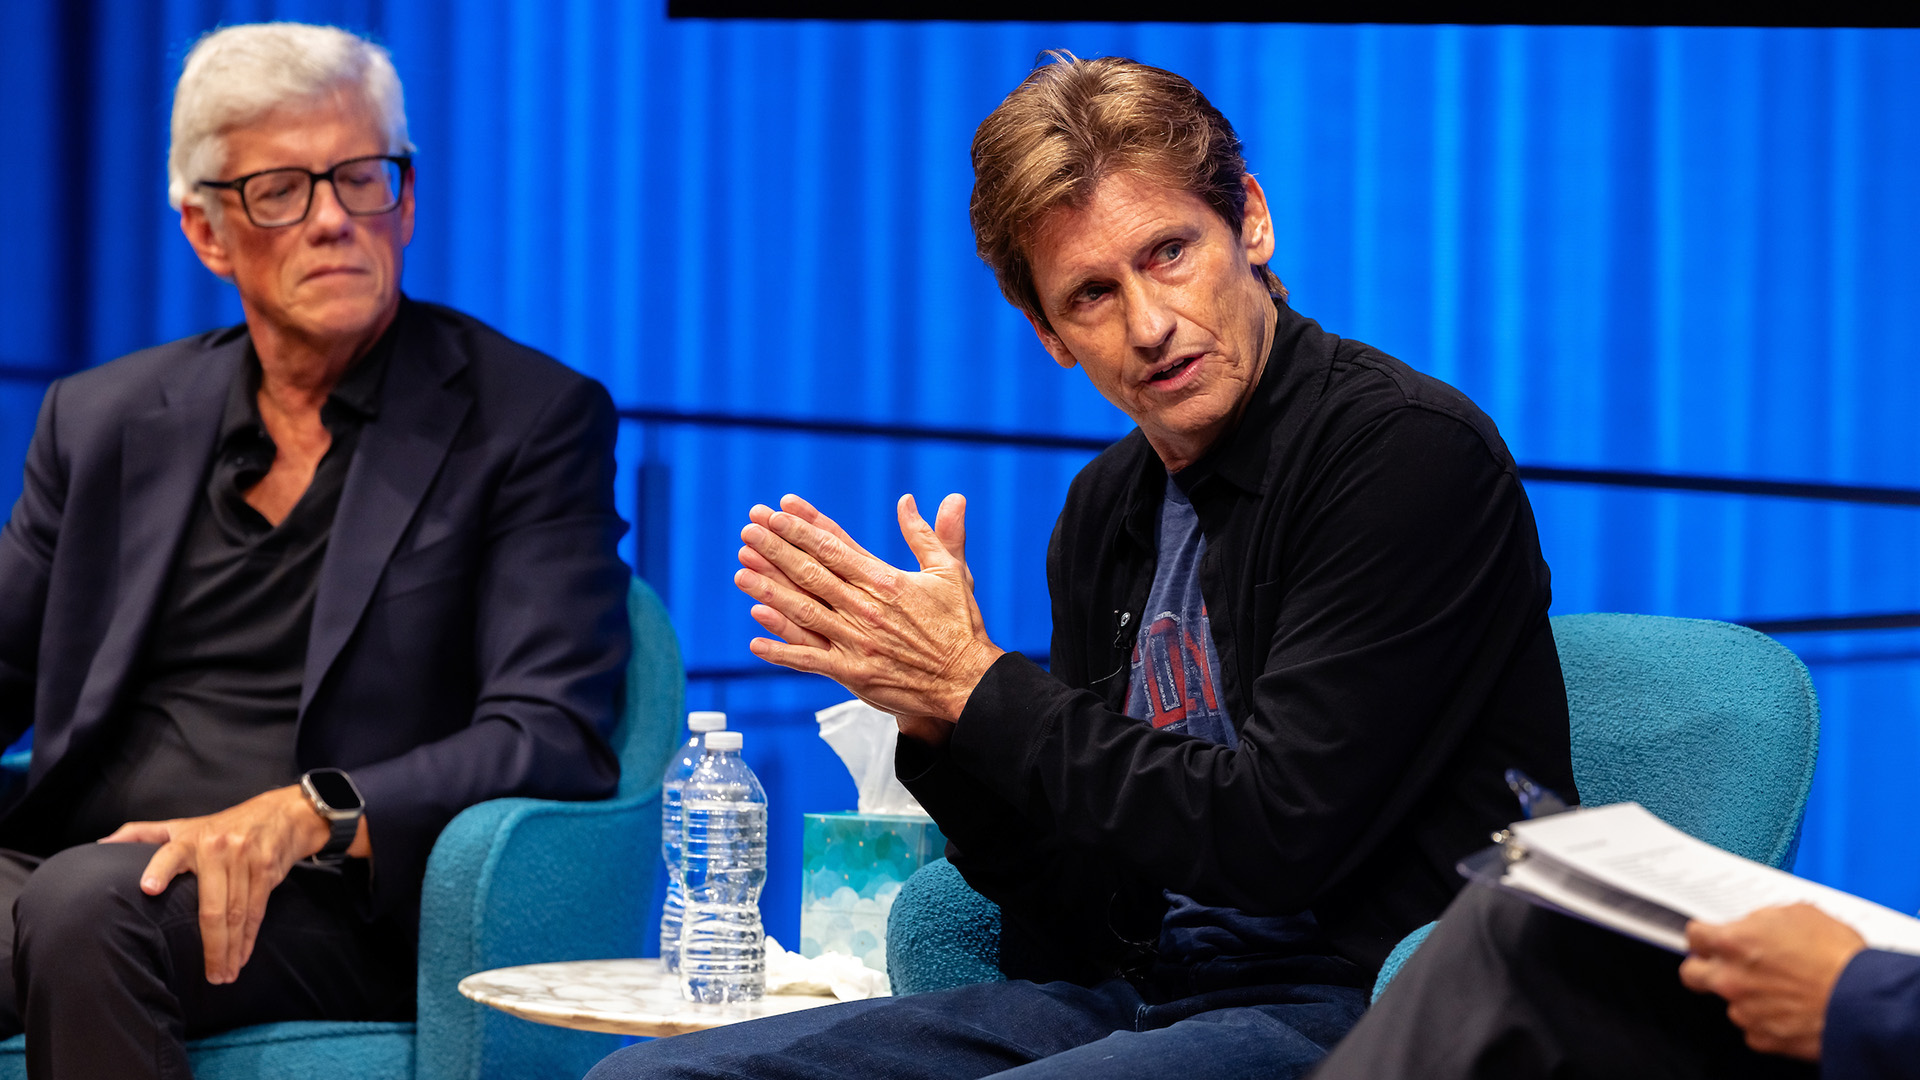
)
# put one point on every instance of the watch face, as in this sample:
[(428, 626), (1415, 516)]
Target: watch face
[(334, 789)]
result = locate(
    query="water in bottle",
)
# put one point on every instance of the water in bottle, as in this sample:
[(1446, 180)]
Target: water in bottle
[(672, 788), (724, 858)]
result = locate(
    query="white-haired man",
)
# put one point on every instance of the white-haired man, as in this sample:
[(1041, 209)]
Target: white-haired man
[(285, 597)]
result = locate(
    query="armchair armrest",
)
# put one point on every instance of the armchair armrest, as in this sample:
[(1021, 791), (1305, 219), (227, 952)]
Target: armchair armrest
[(522, 881), (941, 934)]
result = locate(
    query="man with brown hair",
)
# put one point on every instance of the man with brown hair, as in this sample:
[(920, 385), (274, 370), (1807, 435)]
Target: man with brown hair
[(1300, 631)]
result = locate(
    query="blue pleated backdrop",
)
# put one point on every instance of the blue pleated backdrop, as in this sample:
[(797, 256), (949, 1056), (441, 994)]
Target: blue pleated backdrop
[(1667, 249)]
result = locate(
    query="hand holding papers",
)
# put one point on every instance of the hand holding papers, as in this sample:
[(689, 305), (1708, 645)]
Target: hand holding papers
[(1625, 869)]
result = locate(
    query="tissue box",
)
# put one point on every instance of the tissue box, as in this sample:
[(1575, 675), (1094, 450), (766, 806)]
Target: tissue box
[(852, 868)]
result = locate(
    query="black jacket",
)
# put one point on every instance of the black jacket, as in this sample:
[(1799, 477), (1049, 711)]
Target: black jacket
[(469, 629), (1379, 605)]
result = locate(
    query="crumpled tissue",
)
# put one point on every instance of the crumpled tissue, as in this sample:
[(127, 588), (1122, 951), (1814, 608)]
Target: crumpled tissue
[(829, 974), (864, 737)]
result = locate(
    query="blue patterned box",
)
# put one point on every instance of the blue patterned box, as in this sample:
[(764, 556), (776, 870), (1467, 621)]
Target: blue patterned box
[(852, 867)]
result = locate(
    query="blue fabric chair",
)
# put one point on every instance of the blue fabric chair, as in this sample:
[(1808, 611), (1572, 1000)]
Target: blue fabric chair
[(1712, 726), (513, 881)]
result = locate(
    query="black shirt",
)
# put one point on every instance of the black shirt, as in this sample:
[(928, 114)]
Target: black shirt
[(209, 717), (1378, 601)]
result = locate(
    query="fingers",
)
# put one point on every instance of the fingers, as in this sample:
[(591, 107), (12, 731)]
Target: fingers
[(819, 566), (920, 536), (788, 630), (798, 609), (950, 525), (797, 657), (1697, 975), (138, 832), (260, 887), (172, 860), (805, 511), (213, 916)]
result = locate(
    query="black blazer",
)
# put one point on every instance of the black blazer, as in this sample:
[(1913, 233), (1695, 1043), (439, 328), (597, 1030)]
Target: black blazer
[(469, 630)]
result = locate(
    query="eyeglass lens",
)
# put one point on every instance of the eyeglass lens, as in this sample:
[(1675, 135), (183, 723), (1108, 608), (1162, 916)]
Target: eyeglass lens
[(363, 186)]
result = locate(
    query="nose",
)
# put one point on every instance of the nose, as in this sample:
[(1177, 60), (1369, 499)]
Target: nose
[(326, 213), (1150, 320)]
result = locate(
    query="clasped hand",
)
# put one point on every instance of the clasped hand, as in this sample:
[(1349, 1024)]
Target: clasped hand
[(1777, 968), (240, 855), (908, 643)]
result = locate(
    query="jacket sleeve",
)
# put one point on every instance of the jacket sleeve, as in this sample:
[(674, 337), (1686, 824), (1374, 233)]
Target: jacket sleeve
[(549, 642), (1410, 575), (26, 565), (1064, 913), (1873, 1020)]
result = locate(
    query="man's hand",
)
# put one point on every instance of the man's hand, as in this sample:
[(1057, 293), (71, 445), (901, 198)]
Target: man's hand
[(911, 644), (240, 855), (1776, 968)]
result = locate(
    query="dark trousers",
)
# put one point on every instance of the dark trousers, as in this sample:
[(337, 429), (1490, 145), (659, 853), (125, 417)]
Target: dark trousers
[(1052, 1031), (108, 981), (1503, 989)]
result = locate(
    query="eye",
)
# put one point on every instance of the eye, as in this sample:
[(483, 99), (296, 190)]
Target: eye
[(1087, 294), (1172, 250)]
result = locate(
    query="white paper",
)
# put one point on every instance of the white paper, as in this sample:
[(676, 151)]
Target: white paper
[(1623, 847), (864, 737), (829, 974)]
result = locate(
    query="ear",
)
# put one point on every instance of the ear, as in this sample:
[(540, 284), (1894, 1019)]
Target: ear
[(406, 206), (1256, 224), (1051, 342), (206, 241)]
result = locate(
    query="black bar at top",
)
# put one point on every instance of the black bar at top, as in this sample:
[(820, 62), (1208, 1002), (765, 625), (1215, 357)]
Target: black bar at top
[(1467, 12)]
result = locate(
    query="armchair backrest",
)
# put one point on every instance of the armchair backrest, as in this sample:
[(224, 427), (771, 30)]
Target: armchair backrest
[(1713, 727), (654, 688)]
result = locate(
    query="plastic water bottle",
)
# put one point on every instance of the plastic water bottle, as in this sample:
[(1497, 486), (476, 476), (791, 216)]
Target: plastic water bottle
[(723, 953), (672, 788)]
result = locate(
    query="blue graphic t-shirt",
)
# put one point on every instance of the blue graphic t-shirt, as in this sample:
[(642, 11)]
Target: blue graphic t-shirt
[(1176, 675), (1176, 687)]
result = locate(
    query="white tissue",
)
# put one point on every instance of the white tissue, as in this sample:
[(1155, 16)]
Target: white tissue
[(864, 738), (842, 976)]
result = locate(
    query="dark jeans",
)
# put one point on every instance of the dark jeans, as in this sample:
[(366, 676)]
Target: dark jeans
[(111, 982), (1031, 1031), (1506, 990)]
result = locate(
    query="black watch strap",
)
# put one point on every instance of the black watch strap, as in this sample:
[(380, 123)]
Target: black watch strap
[(343, 822), (335, 852)]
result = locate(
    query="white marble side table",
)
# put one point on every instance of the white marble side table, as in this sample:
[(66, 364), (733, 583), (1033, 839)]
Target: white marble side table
[(616, 997)]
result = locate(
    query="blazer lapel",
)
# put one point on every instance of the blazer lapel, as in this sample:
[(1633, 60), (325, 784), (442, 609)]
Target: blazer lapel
[(163, 461), (399, 454)]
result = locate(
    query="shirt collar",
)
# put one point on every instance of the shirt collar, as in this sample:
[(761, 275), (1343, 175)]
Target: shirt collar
[(357, 392)]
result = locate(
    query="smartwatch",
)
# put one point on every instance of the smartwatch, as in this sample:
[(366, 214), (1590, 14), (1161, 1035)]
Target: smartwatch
[(334, 798)]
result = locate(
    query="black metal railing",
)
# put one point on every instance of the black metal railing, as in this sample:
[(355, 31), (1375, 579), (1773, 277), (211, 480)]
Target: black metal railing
[(652, 478)]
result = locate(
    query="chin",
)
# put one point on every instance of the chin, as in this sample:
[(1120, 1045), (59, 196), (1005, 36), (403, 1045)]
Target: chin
[(344, 316)]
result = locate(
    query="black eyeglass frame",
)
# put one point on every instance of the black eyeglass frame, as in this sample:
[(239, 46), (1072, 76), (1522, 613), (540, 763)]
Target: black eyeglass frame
[(238, 186)]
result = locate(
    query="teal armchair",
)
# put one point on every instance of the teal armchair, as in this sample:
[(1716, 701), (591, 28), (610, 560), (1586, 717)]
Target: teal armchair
[(1713, 727), (512, 881)]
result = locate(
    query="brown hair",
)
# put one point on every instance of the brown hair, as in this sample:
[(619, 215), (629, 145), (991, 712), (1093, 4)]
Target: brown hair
[(1072, 123)]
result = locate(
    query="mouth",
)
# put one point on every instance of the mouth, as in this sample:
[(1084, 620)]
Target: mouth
[(1174, 370), (332, 271)]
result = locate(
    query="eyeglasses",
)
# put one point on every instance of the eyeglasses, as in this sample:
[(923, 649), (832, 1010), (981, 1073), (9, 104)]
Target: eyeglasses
[(277, 197)]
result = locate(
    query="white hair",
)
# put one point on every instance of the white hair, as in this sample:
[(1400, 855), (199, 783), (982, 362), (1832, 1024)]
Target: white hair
[(235, 76)]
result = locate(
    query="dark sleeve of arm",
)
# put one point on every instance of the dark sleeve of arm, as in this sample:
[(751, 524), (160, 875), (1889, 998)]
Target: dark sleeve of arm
[(1410, 573), (1873, 1020), (550, 641), (26, 565)]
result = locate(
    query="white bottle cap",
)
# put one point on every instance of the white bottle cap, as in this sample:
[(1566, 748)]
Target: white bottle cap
[(723, 740), (706, 721)]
